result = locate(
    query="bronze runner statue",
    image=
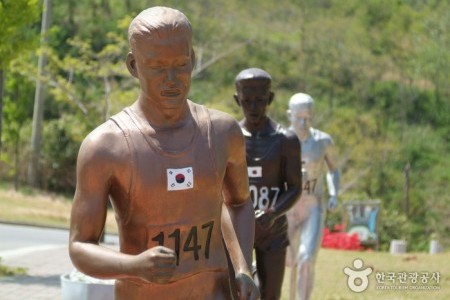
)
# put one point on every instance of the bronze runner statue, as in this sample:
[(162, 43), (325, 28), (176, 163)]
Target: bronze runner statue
[(175, 173)]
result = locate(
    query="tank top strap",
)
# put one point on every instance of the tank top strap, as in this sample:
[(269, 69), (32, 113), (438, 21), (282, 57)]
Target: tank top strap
[(125, 124), (204, 124), (203, 120), (121, 121)]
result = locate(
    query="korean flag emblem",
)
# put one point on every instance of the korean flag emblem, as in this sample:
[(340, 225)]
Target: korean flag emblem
[(254, 172), (180, 179)]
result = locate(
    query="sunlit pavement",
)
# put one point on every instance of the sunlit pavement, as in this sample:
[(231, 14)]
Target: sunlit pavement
[(44, 264)]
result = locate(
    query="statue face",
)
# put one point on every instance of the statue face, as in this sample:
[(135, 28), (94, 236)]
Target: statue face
[(163, 65), (254, 96), (300, 117)]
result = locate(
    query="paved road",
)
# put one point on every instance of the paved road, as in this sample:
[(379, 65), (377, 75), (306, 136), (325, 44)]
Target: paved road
[(43, 252)]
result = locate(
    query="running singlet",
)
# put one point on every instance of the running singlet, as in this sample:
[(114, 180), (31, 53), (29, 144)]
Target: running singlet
[(174, 200), (265, 165)]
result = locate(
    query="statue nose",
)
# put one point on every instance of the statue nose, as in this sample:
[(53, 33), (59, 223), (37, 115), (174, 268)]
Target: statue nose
[(170, 74)]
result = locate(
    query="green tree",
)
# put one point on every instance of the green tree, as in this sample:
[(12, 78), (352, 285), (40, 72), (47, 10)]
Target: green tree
[(38, 112), (378, 70), (18, 108), (17, 18)]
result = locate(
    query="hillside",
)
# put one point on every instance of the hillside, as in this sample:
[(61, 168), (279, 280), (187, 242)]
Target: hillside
[(377, 69)]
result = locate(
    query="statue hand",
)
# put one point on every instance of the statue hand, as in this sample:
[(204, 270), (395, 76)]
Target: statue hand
[(156, 264), (332, 203), (246, 287), (264, 219)]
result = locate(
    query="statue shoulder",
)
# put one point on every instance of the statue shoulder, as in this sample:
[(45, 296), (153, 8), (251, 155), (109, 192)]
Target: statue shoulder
[(227, 139), (322, 136), (224, 124), (104, 144), (289, 139), (288, 133)]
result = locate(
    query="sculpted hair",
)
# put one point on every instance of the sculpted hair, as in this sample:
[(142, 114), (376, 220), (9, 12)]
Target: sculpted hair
[(155, 21), (252, 73), (301, 100)]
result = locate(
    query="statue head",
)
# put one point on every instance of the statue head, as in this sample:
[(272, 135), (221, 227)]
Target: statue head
[(253, 95), (161, 55), (300, 113)]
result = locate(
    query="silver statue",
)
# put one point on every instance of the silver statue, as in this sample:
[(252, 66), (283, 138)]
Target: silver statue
[(306, 219)]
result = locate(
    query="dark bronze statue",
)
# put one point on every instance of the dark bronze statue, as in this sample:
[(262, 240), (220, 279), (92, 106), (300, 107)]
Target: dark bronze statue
[(274, 173), (175, 173)]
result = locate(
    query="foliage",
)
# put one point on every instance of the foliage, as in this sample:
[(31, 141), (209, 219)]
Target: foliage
[(17, 109), (17, 19), (10, 271), (378, 70)]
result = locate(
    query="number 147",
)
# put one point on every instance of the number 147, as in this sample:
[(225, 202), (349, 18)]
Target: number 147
[(191, 243)]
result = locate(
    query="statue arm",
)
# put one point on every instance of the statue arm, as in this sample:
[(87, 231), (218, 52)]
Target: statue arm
[(237, 214), (333, 176), (89, 211), (291, 157), (238, 220)]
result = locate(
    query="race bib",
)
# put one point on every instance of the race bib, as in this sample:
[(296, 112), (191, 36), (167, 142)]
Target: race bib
[(264, 197), (190, 242)]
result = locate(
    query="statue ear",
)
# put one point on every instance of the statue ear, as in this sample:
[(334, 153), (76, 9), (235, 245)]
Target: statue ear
[(131, 64), (192, 59), (271, 97), (288, 114), (235, 96)]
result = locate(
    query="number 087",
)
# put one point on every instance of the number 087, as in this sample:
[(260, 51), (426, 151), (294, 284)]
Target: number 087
[(261, 198)]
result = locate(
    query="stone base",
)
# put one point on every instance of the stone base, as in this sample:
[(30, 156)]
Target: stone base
[(397, 247), (80, 290)]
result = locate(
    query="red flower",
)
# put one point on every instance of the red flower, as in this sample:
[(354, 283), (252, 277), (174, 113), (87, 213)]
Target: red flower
[(340, 240)]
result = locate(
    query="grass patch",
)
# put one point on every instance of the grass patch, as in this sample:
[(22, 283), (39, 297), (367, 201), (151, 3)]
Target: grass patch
[(38, 208), (331, 282), (11, 271), (34, 207)]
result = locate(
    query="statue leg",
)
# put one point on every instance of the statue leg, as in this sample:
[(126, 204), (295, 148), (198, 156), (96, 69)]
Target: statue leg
[(310, 239), (231, 274), (270, 266), (293, 282), (294, 232)]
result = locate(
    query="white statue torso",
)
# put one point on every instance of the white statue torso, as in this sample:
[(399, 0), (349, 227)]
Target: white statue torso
[(315, 149)]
